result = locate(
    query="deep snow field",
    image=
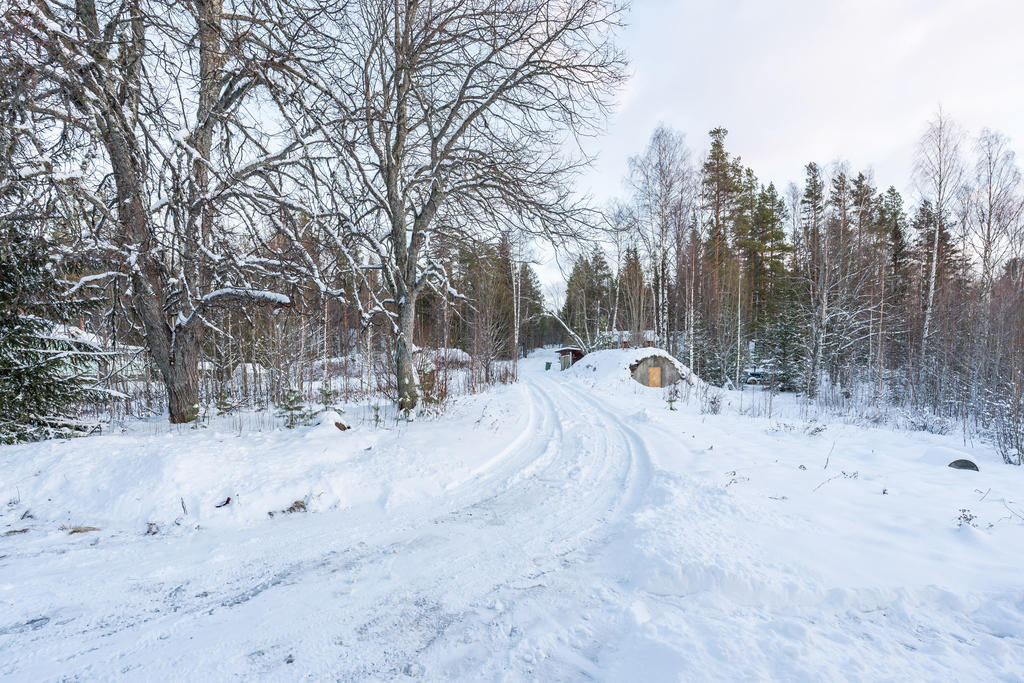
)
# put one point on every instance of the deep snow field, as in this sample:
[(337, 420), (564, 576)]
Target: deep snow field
[(567, 527)]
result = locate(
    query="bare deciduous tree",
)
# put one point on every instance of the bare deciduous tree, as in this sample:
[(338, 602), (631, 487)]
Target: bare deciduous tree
[(995, 205), (939, 172), (150, 119), (453, 117), (662, 181)]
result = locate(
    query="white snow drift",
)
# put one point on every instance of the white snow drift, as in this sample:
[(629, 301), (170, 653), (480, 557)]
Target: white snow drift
[(561, 528)]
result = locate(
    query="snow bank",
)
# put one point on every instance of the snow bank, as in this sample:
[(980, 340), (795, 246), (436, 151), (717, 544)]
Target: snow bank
[(446, 355), (429, 359), (128, 481), (613, 365), (180, 478)]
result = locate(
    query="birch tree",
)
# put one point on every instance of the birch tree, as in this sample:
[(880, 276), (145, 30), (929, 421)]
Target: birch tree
[(939, 172), (661, 178), (995, 205)]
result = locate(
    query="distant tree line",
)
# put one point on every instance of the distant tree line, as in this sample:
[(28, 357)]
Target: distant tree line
[(835, 288)]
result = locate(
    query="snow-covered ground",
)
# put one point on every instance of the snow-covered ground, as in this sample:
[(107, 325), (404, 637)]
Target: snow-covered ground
[(569, 526)]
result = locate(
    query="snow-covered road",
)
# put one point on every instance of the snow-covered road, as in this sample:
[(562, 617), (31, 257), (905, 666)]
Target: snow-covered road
[(491, 578), (583, 535)]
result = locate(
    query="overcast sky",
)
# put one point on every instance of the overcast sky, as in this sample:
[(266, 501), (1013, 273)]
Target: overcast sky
[(813, 80)]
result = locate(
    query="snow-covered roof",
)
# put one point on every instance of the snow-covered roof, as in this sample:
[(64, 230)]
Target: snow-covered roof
[(627, 335), (613, 365), (71, 333)]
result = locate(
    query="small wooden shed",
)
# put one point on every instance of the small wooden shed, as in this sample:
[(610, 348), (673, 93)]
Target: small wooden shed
[(569, 355)]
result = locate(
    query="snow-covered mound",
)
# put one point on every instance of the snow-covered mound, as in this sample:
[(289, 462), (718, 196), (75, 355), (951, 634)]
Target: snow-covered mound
[(429, 359), (238, 469), (615, 365)]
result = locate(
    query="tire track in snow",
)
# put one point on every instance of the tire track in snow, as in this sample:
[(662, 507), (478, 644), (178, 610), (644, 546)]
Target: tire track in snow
[(559, 514), (549, 511), (424, 582), (546, 520)]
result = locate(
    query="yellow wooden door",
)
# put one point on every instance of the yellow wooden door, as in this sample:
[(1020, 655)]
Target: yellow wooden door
[(654, 377)]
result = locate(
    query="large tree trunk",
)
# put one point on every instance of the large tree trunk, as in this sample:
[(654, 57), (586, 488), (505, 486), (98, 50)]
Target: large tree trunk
[(182, 381), (408, 381), (181, 375)]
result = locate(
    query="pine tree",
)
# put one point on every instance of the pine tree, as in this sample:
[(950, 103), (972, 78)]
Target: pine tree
[(537, 325), (889, 236), (815, 273), (863, 207), (845, 278), (574, 310), (840, 201), (934, 282), (633, 301), (718, 187), (726, 217), (747, 241), (43, 372), (769, 286), (812, 206), (588, 297)]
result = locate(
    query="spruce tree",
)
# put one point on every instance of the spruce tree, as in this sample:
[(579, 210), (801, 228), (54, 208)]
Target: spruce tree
[(601, 291), (43, 372), (892, 221)]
